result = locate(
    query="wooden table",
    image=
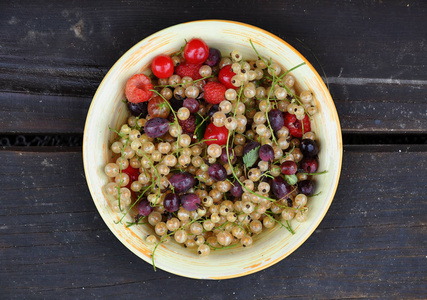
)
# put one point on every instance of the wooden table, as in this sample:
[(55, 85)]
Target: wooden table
[(372, 242)]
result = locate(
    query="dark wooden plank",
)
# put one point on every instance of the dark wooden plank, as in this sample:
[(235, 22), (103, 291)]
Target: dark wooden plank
[(370, 50), (370, 244)]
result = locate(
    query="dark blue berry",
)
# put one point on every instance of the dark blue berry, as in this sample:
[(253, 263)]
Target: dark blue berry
[(214, 57)]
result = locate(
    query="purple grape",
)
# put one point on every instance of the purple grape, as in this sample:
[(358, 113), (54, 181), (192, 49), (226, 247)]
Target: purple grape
[(182, 182), (192, 105), (250, 146), (213, 110), (236, 189), (280, 187), (214, 57), (138, 109), (266, 153), (217, 172), (309, 164), (171, 202), (309, 148), (224, 158), (190, 201), (306, 187), (276, 119), (156, 127), (144, 208)]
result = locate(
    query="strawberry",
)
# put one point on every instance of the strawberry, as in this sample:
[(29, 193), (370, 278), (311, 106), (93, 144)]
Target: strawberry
[(189, 125), (294, 125), (214, 92), (187, 69), (138, 88)]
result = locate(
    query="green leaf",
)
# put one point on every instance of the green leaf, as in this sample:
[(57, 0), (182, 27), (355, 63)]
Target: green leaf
[(291, 179), (251, 157), (201, 125)]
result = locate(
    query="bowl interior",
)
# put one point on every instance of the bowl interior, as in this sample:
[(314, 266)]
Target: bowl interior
[(108, 111)]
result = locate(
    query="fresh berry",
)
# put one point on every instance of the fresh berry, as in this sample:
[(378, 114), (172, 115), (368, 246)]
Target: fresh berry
[(250, 146), (144, 208), (309, 148), (225, 75), (216, 135), (309, 165), (214, 92), (213, 109), (192, 104), (217, 172), (138, 88), (288, 167), (156, 127), (171, 202), (294, 125), (188, 69), (196, 51), (190, 201), (266, 153), (275, 117), (224, 158), (188, 126), (236, 189), (182, 182), (157, 108), (138, 109), (214, 57), (306, 187), (280, 188), (162, 66)]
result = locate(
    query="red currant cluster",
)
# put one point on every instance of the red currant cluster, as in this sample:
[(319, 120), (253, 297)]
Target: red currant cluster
[(217, 149)]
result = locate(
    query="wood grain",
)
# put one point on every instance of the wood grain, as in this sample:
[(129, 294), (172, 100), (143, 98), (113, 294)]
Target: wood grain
[(370, 244), (369, 50)]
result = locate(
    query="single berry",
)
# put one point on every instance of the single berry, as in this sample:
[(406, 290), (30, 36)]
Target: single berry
[(138, 109), (275, 117), (225, 75), (224, 158), (214, 57), (280, 187), (309, 148), (216, 135), (213, 110), (182, 182), (190, 201), (236, 189), (138, 88), (288, 167), (187, 69), (196, 51), (156, 127), (157, 108), (192, 104), (214, 92), (189, 125), (266, 153), (217, 172), (309, 165), (294, 125), (306, 187), (171, 202), (162, 66), (144, 208)]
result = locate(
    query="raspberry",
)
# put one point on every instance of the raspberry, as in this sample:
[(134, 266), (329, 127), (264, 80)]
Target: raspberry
[(138, 88), (214, 92), (187, 69), (189, 125), (294, 125)]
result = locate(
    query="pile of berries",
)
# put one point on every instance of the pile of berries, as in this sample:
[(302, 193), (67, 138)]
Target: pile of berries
[(216, 149)]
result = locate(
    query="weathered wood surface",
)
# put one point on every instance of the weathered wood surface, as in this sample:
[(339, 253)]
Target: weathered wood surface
[(370, 244), (374, 54)]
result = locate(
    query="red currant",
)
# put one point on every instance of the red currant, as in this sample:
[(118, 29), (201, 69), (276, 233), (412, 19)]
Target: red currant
[(133, 175), (218, 135), (162, 66), (196, 51), (225, 76), (294, 125)]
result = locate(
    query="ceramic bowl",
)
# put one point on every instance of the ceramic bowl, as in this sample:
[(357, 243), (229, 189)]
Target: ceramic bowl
[(108, 110)]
